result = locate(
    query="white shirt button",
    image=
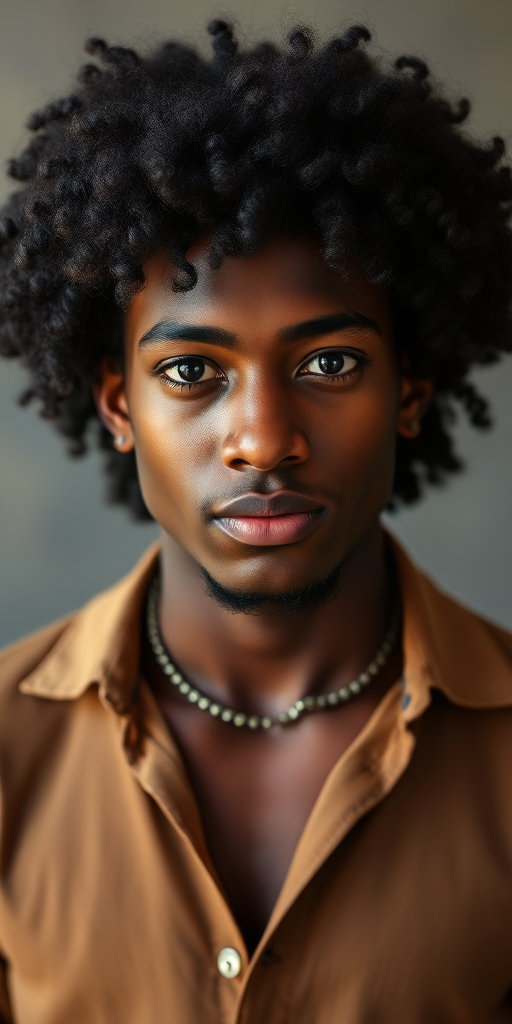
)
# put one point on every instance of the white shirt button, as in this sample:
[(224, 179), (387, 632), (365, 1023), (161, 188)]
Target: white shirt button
[(229, 962)]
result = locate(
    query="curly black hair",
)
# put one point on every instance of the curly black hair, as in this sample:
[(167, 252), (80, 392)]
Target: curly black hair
[(152, 152)]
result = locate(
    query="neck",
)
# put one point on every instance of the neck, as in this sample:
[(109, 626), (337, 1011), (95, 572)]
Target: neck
[(259, 663)]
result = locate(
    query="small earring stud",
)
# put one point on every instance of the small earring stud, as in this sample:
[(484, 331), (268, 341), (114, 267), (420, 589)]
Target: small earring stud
[(119, 440)]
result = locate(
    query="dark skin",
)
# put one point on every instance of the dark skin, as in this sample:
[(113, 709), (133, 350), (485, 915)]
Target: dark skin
[(286, 402)]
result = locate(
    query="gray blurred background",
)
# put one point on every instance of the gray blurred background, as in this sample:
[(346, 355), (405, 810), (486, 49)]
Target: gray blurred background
[(59, 542)]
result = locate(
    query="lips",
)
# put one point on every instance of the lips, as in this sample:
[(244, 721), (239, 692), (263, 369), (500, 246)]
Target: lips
[(268, 520)]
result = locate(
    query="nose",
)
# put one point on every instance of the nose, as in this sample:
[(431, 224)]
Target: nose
[(262, 432)]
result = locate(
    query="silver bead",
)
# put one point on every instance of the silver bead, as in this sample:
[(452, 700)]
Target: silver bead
[(332, 699), (184, 688), (203, 703), (253, 722), (193, 696), (355, 687), (214, 710), (226, 715), (266, 722), (239, 720)]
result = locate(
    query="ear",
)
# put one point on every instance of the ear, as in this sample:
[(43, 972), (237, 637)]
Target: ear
[(415, 397), (110, 397)]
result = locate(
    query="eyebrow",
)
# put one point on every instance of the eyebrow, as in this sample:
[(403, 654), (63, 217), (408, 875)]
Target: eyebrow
[(172, 330), (328, 324)]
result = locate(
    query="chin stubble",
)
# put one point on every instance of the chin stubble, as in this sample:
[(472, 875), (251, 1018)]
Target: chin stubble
[(293, 602)]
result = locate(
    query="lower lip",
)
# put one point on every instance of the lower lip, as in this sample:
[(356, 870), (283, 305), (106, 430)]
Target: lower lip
[(269, 531)]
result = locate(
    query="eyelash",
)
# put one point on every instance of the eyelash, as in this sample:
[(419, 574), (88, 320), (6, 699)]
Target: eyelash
[(160, 372), (183, 384), (361, 362), (360, 358), (331, 379)]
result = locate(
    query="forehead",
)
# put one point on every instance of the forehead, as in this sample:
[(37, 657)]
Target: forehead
[(288, 281)]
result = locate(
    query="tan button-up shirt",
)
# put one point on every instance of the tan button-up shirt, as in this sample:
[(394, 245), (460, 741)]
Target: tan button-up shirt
[(397, 907)]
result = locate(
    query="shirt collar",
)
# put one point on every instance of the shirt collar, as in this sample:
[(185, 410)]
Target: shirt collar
[(445, 646), (448, 647), (100, 645)]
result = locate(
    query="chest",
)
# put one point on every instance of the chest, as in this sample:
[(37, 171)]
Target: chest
[(408, 919), (255, 793)]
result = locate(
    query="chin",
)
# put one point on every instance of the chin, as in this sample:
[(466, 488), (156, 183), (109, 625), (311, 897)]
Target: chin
[(295, 600)]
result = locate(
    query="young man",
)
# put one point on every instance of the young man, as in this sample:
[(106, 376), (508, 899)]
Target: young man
[(267, 776)]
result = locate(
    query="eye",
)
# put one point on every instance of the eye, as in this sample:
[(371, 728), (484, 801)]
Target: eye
[(331, 363), (189, 370)]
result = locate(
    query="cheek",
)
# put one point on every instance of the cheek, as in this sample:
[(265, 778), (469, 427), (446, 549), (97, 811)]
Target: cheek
[(359, 444), (177, 452), (172, 447), (378, 445)]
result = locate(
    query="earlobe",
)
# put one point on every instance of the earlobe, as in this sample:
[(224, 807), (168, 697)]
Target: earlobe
[(408, 428), (110, 397), (415, 398), (119, 442)]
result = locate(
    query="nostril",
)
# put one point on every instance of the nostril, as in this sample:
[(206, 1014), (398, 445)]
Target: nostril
[(264, 450), (245, 463)]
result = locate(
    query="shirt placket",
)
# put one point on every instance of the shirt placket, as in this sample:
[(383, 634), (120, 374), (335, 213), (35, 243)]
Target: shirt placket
[(157, 766), (249, 991)]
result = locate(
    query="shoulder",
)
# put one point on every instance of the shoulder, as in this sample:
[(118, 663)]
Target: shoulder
[(461, 653), (471, 656), (97, 644), (51, 680), (30, 729)]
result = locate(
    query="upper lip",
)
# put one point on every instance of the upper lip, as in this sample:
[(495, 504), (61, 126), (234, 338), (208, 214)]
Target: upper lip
[(281, 504)]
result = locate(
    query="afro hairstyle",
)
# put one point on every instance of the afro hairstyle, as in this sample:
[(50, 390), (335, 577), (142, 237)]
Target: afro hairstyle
[(151, 152)]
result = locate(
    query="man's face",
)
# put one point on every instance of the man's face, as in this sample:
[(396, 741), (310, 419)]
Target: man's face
[(263, 405)]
